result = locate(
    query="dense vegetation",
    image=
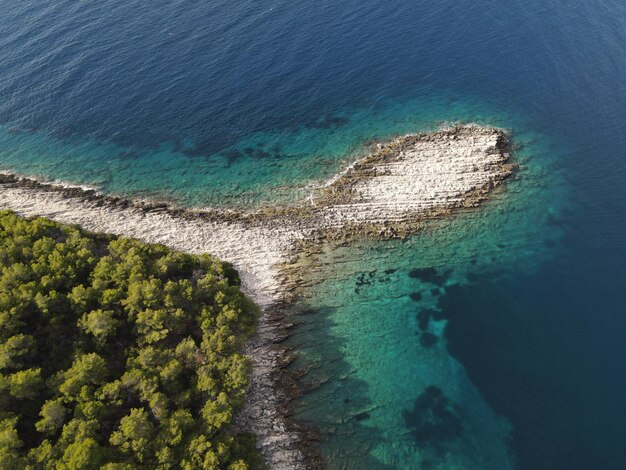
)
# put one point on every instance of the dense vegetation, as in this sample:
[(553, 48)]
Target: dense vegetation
[(116, 354)]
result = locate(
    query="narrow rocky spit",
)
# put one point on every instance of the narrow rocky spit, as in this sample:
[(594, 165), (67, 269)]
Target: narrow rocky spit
[(387, 194)]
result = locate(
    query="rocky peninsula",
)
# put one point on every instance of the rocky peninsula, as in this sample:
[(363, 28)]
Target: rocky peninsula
[(387, 194)]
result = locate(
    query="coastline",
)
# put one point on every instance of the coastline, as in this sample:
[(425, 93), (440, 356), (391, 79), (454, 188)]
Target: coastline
[(387, 194)]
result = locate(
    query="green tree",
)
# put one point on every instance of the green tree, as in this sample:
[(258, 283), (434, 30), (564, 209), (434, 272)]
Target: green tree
[(10, 445), (134, 434), (87, 369), (116, 354), (25, 384), (82, 455), (15, 351), (53, 415), (217, 413), (99, 323)]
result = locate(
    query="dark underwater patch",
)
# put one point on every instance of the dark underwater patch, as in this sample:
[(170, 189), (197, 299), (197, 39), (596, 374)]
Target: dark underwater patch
[(251, 152), (434, 419), (423, 274), (423, 318), (429, 275), (232, 156), (428, 340), (205, 148), (415, 296), (363, 279), (367, 278), (439, 315), (328, 122), (258, 152)]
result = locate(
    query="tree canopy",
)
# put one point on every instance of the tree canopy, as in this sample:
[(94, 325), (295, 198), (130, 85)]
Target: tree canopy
[(117, 354)]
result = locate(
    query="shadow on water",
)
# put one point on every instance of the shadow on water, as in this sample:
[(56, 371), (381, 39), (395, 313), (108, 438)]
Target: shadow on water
[(334, 401)]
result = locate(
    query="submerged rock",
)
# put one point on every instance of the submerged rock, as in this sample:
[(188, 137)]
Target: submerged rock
[(428, 340), (434, 419), (429, 275), (423, 274), (423, 319)]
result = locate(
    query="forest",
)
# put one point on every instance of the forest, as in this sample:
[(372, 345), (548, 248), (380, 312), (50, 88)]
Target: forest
[(117, 354)]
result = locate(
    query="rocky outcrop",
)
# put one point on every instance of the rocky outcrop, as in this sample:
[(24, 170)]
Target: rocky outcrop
[(386, 194)]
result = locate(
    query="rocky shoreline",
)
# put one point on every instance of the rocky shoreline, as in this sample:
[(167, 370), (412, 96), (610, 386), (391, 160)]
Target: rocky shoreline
[(388, 194)]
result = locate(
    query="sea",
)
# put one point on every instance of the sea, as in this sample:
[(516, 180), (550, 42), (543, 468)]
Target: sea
[(494, 339)]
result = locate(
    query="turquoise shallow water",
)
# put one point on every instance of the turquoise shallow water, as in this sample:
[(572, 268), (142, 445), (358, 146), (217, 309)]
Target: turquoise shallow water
[(262, 167), (384, 388), (222, 104), (364, 343)]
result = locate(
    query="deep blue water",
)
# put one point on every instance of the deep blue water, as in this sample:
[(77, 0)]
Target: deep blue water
[(223, 103)]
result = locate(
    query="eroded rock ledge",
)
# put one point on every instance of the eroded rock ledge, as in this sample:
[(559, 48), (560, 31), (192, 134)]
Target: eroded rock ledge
[(386, 194)]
